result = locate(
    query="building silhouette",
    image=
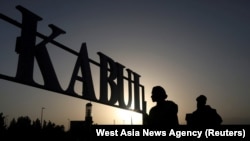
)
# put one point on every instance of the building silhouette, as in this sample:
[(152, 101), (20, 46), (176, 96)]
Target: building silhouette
[(81, 129)]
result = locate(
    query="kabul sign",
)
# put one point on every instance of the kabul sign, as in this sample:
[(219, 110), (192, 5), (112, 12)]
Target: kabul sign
[(111, 72)]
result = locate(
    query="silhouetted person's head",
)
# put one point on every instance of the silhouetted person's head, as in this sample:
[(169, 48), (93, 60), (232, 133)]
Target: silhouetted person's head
[(158, 94), (201, 101)]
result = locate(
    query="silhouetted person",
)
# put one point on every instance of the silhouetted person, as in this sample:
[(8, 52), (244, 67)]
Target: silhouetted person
[(164, 113), (204, 115)]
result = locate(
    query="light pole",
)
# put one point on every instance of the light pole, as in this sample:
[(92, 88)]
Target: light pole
[(68, 124), (42, 116)]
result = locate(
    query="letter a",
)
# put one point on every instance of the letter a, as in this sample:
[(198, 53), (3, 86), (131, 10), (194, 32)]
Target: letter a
[(87, 84)]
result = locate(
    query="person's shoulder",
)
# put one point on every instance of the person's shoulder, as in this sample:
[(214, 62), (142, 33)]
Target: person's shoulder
[(171, 102), (208, 107), (153, 108)]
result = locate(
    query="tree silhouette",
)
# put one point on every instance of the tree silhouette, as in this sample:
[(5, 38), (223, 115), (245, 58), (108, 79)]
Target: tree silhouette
[(3, 126), (26, 129)]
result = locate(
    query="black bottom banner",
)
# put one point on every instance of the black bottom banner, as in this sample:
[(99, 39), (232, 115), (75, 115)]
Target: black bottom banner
[(182, 132)]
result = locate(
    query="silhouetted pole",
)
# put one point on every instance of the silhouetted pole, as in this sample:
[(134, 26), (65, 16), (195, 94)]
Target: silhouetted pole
[(42, 116), (68, 124)]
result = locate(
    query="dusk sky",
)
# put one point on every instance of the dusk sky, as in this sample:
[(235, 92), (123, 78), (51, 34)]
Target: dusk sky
[(188, 47)]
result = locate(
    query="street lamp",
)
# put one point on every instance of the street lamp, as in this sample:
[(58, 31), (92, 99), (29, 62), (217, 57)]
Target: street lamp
[(42, 116)]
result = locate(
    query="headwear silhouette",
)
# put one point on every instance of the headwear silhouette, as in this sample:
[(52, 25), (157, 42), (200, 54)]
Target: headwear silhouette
[(159, 92), (201, 98)]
